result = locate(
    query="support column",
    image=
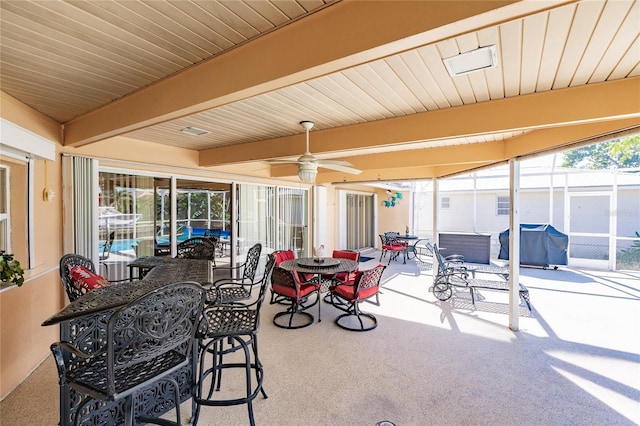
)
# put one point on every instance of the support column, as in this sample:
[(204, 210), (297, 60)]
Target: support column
[(234, 224), (434, 225), (514, 243), (174, 215), (613, 222)]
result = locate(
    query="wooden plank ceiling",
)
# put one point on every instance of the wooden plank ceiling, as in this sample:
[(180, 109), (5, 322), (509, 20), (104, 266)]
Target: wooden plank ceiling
[(369, 74)]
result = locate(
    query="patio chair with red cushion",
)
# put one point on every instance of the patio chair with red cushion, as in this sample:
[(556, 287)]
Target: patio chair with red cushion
[(343, 277), (287, 288), (393, 247), (348, 296), (281, 256)]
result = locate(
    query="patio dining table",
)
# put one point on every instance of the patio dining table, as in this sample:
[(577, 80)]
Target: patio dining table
[(411, 241), (320, 266)]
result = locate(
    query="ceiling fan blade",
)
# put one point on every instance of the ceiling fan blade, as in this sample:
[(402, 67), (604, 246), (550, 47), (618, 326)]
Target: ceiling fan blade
[(281, 161), (340, 166), (307, 160)]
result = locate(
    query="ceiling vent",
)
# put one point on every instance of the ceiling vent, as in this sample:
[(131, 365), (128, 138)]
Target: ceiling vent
[(194, 131)]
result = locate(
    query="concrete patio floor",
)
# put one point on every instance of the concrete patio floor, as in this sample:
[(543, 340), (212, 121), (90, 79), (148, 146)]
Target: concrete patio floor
[(575, 359), (587, 322)]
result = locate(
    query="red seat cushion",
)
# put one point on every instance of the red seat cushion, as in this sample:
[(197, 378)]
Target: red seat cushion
[(344, 276), (283, 255), (346, 254), (85, 280), (347, 292), (289, 292)]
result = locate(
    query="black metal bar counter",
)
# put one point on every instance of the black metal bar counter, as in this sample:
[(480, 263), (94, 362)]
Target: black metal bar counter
[(83, 323)]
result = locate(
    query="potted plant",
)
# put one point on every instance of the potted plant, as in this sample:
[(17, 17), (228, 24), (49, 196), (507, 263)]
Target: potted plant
[(10, 271)]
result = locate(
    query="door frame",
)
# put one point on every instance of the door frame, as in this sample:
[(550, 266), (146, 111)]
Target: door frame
[(609, 263)]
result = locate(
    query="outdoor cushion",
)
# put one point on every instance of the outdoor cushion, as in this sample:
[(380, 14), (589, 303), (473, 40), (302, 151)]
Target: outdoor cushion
[(344, 276), (347, 292), (85, 280), (282, 255), (305, 290)]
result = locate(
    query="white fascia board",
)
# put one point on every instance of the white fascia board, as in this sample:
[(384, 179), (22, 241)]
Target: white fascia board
[(20, 139)]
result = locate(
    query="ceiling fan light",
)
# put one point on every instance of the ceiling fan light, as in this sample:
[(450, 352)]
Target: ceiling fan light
[(307, 172)]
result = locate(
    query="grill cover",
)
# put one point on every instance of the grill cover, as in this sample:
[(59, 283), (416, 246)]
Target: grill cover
[(540, 245)]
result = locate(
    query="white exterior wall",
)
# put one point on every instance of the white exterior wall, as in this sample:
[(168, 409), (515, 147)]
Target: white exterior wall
[(534, 208), (591, 217)]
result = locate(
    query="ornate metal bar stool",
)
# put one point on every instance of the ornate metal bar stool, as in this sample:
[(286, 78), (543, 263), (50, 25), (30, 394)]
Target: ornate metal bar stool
[(237, 325), (148, 341)]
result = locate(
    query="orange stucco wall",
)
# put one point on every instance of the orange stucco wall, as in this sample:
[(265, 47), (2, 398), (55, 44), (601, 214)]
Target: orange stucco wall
[(393, 219), (24, 343)]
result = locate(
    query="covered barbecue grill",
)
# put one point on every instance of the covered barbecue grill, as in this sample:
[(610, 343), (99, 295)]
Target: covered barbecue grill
[(540, 245)]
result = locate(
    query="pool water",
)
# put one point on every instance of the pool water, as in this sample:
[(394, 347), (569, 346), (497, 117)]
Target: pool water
[(122, 245), (126, 245)]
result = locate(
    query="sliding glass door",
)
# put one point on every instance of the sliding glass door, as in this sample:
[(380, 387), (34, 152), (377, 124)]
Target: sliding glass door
[(256, 216), (293, 224), (136, 217), (277, 217), (126, 220), (357, 224)]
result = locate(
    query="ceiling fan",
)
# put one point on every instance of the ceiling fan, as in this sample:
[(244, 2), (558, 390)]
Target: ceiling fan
[(308, 164)]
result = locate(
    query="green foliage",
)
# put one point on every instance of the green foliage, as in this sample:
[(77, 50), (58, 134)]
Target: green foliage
[(195, 205), (630, 258), (620, 153), (10, 270)]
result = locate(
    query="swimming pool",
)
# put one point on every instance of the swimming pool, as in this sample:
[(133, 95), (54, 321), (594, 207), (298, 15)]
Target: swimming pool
[(123, 245), (129, 244), (126, 245)]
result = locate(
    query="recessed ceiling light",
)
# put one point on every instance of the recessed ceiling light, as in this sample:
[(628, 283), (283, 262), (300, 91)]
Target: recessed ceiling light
[(475, 60), (194, 131)]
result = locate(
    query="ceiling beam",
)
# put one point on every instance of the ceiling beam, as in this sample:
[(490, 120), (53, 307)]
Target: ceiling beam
[(418, 158), (550, 139), (382, 175), (458, 154), (397, 173), (443, 161), (332, 39), (584, 104)]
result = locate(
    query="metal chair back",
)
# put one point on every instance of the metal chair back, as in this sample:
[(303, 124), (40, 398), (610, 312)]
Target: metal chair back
[(367, 282), (196, 248), (251, 263), (106, 248), (67, 262)]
